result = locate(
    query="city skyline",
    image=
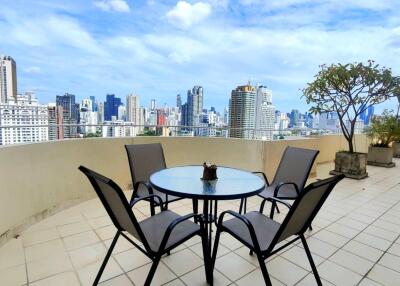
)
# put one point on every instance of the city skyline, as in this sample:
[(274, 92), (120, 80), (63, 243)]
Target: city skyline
[(99, 47)]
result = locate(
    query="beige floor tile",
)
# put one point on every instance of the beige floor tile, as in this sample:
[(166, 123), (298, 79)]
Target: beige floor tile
[(107, 232), (175, 282), (352, 262), (122, 245), (12, 254), (230, 242), (244, 252), (395, 249), (39, 269), (363, 250), (49, 249), (285, 271), (162, 275), (233, 266), (379, 243), (73, 228), (369, 282), (337, 274), (309, 280), (15, 275), (183, 261), (121, 280), (88, 273), (351, 223), (320, 247), (343, 230), (131, 259), (99, 222), (385, 276), (80, 240), (255, 278), (331, 238), (381, 233), (39, 236), (197, 277), (298, 256), (87, 255), (390, 261), (62, 279)]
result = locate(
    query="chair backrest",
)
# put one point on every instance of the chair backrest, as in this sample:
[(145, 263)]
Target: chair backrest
[(305, 208), (144, 160), (115, 203), (295, 166)]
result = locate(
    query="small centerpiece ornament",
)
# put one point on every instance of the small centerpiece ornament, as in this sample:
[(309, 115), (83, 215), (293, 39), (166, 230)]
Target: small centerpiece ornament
[(209, 172)]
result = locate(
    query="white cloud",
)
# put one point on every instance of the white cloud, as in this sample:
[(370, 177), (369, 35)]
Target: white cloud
[(184, 14), (32, 70), (113, 5)]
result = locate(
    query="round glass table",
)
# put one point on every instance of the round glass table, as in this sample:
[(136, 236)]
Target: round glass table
[(186, 182)]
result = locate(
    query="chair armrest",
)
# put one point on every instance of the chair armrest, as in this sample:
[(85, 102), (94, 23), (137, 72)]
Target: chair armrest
[(271, 199), (160, 201), (285, 183), (264, 176), (246, 221), (136, 187), (173, 224)]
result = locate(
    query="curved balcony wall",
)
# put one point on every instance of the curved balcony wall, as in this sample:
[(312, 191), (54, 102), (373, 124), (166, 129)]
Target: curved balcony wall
[(40, 179)]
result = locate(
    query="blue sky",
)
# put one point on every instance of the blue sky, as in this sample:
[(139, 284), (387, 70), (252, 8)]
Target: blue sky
[(157, 49)]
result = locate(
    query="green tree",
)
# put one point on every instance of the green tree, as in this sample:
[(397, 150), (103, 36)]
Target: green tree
[(384, 129), (349, 90)]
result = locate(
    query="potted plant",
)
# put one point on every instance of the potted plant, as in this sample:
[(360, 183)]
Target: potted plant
[(383, 131), (348, 90)]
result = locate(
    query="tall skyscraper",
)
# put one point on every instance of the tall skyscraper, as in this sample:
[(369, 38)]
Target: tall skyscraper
[(55, 118), (132, 108), (8, 79), (94, 103), (111, 107), (179, 101), (265, 114), (194, 105), (242, 112), (70, 113), (294, 117), (153, 105)]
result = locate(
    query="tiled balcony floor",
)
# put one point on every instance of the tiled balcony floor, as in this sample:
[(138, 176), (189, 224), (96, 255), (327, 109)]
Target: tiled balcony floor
[(355, 241)]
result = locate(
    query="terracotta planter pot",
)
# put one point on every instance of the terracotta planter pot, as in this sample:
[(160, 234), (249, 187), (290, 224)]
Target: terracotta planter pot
[(380, 156), (396, 149), (352, 165)]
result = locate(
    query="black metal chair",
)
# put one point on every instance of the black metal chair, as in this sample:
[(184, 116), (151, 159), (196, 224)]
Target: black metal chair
[(159, 233), (262, 234), (144, 160), (290, 177)]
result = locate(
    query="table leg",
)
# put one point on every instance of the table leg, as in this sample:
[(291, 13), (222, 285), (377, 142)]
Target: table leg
[(209, 216)]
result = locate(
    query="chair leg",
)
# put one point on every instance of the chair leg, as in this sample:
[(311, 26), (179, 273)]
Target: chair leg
[(271, 214), (241, 205), (310, 259), (215, 249), (152, 271), (103, 265), (264, 271), (208, 264), (277, 209), (195, 209)]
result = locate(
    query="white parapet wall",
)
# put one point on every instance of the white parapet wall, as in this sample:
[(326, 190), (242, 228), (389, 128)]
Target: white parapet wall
[(37, 180)]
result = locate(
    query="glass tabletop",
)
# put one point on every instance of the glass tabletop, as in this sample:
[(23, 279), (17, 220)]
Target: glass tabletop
[(186, 182)]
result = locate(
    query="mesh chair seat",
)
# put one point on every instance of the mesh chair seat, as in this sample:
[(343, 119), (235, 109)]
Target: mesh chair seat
[(154, 229), (285, 192), (143, 192), (264, 227)]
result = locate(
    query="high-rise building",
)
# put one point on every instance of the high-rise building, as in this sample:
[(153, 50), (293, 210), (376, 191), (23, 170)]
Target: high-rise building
[(294, 118), (8, 79), (194, 105), (121, 112), (94, 103), (55, 113), (153, 105), (87, 104), (100, 112), (179, 101), (88, 117), (70, 114), (242, 112), (27, 113), (132, 109), (265, 114), (111, 107)]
